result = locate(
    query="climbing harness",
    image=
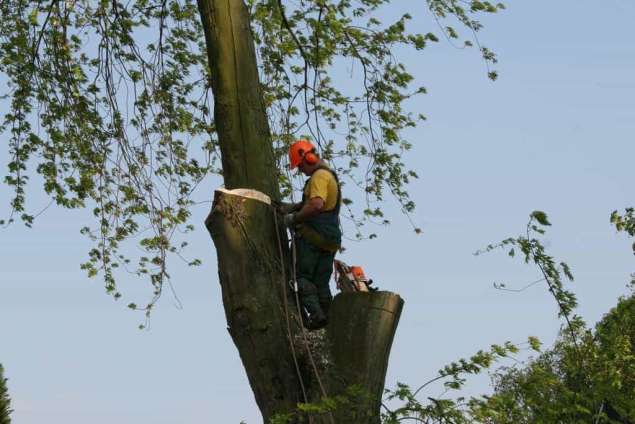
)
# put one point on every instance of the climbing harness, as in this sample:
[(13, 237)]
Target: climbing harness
[(309, 228)]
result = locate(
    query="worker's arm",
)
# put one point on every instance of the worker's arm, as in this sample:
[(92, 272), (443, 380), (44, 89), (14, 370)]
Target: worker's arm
[(285, 208), (316, 191), (310, 209)]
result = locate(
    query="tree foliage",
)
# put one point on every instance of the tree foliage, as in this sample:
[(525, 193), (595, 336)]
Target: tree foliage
[(587, 376), (107, 122), (445, 408), (109, 109), (626, 223), (591, 380), (5, 401)]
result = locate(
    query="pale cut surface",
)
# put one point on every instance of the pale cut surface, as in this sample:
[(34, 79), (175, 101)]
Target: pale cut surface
[(247, 192)]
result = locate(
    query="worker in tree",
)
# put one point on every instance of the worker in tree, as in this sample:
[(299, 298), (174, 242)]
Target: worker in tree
[(316, 225)]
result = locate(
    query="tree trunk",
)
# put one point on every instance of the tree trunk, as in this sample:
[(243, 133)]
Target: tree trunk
[(249, 269), (239, 112), (284, 365)]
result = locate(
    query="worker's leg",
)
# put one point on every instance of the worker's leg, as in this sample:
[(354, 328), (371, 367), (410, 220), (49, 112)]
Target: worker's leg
[(322, 278), (307, 258)]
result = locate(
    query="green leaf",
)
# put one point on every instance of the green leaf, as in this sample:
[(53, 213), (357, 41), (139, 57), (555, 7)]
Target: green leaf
[(541, 217), (534, 343)]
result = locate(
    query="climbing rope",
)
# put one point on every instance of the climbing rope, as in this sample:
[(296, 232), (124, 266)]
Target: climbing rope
[(241, 225), (286, 307), (298, 306), (303, 330)]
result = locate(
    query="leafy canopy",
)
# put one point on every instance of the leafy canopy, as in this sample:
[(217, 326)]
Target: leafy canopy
[(109, 109), (589, 380), (588, 375)]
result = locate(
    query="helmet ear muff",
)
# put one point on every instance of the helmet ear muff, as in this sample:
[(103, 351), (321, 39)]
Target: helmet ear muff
[(311, 158)]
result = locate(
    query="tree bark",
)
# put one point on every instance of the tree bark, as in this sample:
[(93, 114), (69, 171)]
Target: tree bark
[(361, 331), (249, 265), (284, 365), (239, 112)]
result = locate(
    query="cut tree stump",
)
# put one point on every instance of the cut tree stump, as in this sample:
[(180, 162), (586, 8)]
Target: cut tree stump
[(361, 330)]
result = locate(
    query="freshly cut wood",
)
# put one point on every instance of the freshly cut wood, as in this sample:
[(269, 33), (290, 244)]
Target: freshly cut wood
[(248, 193)]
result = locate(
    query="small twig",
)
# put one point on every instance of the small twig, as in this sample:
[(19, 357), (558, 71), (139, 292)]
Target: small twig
[(502, 287)]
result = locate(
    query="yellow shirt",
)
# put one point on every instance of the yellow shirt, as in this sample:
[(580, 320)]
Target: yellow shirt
[(322, 184)]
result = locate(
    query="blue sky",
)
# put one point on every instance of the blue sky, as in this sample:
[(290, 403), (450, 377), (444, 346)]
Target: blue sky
[(556, 132)]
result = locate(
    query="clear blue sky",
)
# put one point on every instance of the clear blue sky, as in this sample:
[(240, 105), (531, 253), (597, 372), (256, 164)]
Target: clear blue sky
[(556, 132)]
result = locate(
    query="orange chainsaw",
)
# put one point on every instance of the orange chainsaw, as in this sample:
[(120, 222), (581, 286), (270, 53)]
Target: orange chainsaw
[(351, 278)]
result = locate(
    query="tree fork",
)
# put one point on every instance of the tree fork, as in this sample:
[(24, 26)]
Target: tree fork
[(249, 263), (357, 342)]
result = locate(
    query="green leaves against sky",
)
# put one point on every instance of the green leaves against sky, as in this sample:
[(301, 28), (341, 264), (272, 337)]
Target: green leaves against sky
[(109, 108)]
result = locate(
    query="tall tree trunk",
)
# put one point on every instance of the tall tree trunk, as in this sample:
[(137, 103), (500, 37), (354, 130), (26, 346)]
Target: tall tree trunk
[(239, 112), (283, 364), (250, 272)]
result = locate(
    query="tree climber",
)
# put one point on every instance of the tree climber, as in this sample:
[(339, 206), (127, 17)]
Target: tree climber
[(316, 227)]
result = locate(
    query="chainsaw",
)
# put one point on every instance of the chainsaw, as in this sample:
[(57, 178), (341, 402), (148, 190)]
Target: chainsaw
[(351, 278)]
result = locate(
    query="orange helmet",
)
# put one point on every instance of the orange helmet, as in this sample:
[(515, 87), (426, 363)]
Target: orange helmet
[(298, 150)]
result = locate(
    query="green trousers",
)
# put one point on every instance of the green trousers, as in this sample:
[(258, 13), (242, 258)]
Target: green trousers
[(313, 268)]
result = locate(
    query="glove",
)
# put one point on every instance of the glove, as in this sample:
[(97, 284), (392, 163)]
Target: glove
[(285, 208), (289, 220)]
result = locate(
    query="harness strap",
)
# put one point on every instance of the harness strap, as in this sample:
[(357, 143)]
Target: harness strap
[(316, 239)]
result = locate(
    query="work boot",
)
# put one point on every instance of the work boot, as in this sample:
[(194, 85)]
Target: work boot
[(316, 321)]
